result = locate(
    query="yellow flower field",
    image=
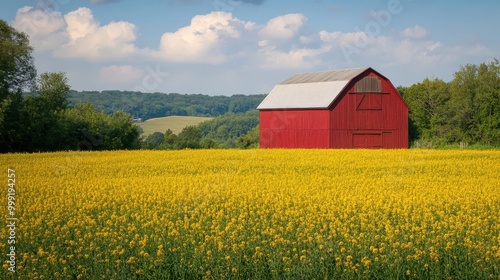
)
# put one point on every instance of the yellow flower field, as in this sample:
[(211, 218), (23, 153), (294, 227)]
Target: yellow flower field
[(254, 214)]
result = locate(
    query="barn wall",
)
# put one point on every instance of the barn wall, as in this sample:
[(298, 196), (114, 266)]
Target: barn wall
[(294, 129), (378, 120)]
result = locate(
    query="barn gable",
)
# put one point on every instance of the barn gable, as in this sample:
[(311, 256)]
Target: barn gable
[(309, 90), (349, 108)]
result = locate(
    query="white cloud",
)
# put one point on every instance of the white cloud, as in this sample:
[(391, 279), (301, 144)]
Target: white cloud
[(355, 39), (417, 32), (283, 27), (90, 40), (273, 58), (204, 40), (44, 28), (80, 23), (359, 46), (222, 39), (116, 74), (77, 34)]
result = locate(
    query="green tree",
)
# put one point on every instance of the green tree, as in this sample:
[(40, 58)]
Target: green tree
[(209, 143), (190, 137), (170, 140), (463, 90), (17, 69), (87, 129), (53, 88), (17, 72), (249, 140), (122, 133), (488, 103), (428, 108), (475, 103), (42, 112), (153, 141), (83, 127), (227, 128)]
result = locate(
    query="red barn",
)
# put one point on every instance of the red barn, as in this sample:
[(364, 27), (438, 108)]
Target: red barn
[(351, 108)]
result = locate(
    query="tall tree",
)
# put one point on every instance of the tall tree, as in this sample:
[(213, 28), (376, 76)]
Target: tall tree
[(428, 111), (475, 103), (17, 72), (42, 110), (190, 137), (488, 102), (463, 90), (53, 88), (17, 69)]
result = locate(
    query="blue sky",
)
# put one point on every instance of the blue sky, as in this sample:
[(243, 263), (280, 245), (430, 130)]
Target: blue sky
[(225, 47)]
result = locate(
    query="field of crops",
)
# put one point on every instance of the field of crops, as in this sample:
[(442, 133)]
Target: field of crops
[(254, 214), (174, 123)]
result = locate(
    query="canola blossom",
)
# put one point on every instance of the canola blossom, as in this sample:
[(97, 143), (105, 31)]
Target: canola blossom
[(255, 214)]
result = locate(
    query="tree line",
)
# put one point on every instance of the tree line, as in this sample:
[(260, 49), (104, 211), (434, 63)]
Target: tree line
[(155, 105), (230, 130), (465, 110)]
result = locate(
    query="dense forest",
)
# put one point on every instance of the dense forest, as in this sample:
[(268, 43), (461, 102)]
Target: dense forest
[(465, 110), (154, 105), (42, 113)]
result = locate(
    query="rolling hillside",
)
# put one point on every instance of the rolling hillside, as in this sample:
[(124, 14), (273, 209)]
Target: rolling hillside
[(174, 123)]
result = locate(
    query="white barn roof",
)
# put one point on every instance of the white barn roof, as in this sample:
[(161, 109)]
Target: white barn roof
[(309, 90)]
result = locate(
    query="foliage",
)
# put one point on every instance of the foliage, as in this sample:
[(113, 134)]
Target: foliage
[(153, 141), (17, 72), (88, 129), (257, 214), (465, 110), (155, 105), (189, 137), (249, 140), (53, 89), (226, 129)]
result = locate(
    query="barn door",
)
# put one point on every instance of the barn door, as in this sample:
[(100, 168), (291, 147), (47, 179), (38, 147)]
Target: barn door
[(367, 140)]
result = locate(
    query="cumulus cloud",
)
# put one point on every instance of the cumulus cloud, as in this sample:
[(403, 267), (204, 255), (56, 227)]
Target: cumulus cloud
[(80, 23), (45, 28), (220, 37), (283, 27), (204, 39), (417, 32), (116, 74), (89, 39), (76, 34)]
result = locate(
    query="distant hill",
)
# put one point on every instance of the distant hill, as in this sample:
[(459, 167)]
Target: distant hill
[(174, 123), (155, 105)]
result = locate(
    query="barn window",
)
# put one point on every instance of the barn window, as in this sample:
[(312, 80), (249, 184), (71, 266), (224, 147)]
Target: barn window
[(368, 84), (369, 101)]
